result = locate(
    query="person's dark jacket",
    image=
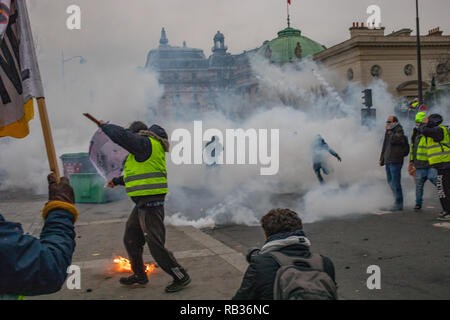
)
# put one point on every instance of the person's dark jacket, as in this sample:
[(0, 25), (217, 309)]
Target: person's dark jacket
[(139, 146), (415, 140), (259, 278), (433, 130), (394, 145), (31, 266)]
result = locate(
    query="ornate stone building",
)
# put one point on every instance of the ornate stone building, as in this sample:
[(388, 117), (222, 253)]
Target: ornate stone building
[(189, 78), (369, 54), (193, 81)]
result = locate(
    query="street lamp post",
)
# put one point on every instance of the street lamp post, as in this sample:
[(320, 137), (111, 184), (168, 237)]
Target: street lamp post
[(419, 58), (63, 61)]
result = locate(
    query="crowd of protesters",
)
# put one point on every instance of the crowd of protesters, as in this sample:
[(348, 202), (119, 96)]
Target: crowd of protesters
[(284, 268), (429, 159)]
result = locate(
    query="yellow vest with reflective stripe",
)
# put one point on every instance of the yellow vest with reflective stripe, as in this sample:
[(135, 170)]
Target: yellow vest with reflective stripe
[(421, 154), (439, 152), (148, 177)]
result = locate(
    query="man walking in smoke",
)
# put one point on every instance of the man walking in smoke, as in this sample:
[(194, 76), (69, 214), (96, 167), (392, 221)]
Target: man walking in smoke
[(395, 149), (145, 180), (438, 147), (319, 148)]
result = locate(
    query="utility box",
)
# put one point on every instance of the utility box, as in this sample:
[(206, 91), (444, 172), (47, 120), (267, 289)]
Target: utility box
[(88, 187), (87, 184)]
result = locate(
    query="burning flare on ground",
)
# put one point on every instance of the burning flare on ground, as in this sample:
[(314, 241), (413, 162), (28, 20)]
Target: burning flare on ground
[(124, 265)]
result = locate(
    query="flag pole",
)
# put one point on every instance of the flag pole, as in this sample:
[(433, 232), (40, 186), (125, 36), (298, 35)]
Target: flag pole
[(288, 19), (48, 138)]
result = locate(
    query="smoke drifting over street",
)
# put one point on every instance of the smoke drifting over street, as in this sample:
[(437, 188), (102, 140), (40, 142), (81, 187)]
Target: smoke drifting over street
[(301, 100), (238, 194)]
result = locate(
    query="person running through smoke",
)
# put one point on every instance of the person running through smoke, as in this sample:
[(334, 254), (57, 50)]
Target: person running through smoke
[(319, 148)]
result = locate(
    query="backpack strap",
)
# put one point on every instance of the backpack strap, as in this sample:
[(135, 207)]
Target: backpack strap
[(315, 261)]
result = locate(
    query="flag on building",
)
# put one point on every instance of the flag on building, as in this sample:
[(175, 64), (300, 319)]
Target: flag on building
[(289, 1), (20, 80)]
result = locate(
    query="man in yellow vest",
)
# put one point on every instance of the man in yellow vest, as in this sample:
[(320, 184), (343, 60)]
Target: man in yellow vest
[(438, 152), (418, 162), (145, 180)]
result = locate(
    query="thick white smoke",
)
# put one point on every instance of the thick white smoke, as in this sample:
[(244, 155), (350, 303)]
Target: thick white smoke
[(294, 99), (238, 194), (120, 95)]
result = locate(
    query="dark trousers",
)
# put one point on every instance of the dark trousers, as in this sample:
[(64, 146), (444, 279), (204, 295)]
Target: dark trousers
[(317, 167), (146, 224), (394, 178), (443, 187), (422, 175)]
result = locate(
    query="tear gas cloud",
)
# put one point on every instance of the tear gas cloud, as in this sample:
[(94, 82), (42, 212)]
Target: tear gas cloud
[(294, 100), (122, 95), (203, 196), (238, 194)]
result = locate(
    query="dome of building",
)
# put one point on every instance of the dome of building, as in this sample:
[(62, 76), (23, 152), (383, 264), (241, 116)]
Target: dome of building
[(289, 46)]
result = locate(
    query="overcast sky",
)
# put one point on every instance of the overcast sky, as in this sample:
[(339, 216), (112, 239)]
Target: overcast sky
[(123, 32)]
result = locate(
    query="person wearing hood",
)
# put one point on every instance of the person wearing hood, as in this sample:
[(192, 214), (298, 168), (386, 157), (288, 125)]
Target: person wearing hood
[(284, 234), (319, 148), (418, 162), (395, 149), (438, 147), (145, 180)]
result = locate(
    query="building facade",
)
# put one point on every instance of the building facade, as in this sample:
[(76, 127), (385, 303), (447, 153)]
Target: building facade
[(193, 81), (370, 54), (225, 82)]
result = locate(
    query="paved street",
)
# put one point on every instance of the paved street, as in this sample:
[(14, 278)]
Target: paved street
[(216, 269), (412, 250)]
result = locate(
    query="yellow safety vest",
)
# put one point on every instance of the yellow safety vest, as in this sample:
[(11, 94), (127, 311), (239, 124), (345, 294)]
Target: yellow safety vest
[(413, 106), (148, 177), (421, 154), (439, 152)]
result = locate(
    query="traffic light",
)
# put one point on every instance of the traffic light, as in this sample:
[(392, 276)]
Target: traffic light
[(368, 98)]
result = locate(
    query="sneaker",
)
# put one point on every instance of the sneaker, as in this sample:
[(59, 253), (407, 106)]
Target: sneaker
[(418, 207), (445, 216), (135, 278), (178, 285)]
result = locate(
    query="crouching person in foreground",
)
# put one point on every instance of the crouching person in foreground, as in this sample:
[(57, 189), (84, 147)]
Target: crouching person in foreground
[(284, 268), (31, 266)]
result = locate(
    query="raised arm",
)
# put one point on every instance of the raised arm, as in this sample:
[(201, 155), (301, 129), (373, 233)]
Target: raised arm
[(139, 146)]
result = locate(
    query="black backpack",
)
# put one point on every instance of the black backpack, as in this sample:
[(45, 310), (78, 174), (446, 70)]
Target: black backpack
[(293, 282)]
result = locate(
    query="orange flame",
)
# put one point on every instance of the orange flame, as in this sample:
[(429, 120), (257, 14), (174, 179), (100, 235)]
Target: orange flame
[(124, 265)]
